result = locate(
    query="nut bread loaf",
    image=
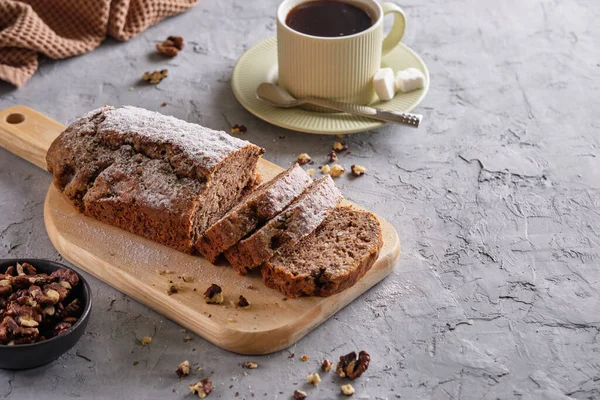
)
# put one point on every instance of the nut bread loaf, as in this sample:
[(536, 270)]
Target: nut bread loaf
[(298, 220), (256, 209), (329, 260), (153, 175)]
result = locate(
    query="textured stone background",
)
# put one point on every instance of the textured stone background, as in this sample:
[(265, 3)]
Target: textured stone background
[(496, 199)]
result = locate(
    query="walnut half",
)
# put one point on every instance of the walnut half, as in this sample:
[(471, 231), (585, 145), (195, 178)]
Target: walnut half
[(352, 367)]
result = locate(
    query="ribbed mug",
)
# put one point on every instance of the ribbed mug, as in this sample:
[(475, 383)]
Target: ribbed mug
[(337, 68)]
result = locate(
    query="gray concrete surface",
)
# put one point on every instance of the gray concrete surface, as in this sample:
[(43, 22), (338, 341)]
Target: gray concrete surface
[(496, 199)]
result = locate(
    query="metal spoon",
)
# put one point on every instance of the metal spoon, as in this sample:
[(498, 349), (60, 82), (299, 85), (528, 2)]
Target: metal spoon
[(280, 97)]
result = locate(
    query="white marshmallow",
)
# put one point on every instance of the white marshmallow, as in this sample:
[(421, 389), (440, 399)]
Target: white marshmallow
[(384, 84), (409, 79)]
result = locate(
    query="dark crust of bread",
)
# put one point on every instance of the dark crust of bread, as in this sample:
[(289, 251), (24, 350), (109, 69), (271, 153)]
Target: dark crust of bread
[(317, 281), (150, 174), (299, 219), (254, 210)]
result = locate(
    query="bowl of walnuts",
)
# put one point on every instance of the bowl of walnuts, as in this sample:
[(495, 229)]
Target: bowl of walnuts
[(44, 309)]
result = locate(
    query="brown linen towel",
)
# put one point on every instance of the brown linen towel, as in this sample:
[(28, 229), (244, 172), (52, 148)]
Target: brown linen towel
[(65, 28)]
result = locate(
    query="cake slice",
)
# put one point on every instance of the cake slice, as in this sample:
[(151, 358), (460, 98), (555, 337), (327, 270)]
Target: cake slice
[(257, 208), (298, 220), (153, 175), (331, 259)]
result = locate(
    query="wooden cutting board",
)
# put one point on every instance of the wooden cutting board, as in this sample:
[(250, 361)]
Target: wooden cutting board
[(131, 263)]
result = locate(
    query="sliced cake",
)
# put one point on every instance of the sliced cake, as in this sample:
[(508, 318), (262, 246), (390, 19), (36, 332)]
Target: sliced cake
[(331, 259), (298, 220), (153, 175), (257, 208)]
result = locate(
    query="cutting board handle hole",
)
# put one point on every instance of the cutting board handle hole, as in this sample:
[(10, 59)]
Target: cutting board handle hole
[(15, 118)]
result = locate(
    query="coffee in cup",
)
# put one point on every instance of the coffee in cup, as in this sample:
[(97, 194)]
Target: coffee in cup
[(332, 48)]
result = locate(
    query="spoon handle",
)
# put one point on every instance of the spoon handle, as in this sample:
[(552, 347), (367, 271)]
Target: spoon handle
[(387, 116)]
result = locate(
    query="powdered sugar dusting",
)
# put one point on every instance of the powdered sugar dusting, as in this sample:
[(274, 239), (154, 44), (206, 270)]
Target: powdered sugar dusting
[(203, 146), (312, 207)]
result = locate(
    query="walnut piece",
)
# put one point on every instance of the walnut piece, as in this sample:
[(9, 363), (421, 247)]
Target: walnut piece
[(325, 169), (332, 156), (347, 390), (358, 170), (304, 358), (337, 146), (313, 379), (213, 295), (183, 369), (36, 307), (242, 302), (352, 367), (303, 159), (310, 171), (250, 365), (177, 41), (146, 340), (326, 366), (299, 395), (173, 288), (155, 76), (171, 46), (337, 171), (239, 129), (202, 388)]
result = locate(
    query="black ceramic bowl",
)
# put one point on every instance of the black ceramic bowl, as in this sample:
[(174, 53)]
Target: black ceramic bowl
[(24, 356)]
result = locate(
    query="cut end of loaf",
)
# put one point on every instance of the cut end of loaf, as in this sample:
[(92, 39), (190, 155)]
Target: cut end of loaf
[(331, 259), (253, 211), (302, 217)]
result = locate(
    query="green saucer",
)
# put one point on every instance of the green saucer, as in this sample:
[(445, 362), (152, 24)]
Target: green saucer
[(259, 64)]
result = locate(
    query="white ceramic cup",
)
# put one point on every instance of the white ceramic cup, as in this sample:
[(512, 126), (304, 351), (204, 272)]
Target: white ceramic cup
[(336, 68)]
